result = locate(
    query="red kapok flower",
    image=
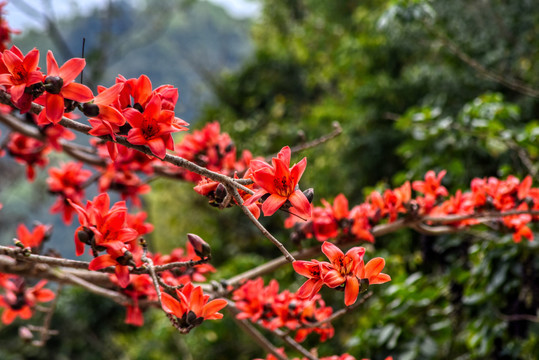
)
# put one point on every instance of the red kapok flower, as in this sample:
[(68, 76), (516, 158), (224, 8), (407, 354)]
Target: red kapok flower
[(153, 127), (20, 301), (59, 86), (280, 182), (104, 118), (67, 182), (193, 306), (35, 238), (23, 71), (344, 270)]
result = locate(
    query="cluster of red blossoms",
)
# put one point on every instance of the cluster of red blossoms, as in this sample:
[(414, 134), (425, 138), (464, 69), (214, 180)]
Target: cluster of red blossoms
[(333, 357), (212, 149), (486, 195), (18, 300), (129, 108), (273, 310), (116, 233), (275, 184)]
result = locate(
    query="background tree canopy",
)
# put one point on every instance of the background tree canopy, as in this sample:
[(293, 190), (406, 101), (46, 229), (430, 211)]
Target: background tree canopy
[(416, 85)]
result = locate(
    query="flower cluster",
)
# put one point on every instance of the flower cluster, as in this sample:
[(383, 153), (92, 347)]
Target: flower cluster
[(213, 149), (486, 195), (19, 300), (67, 181), (105, 229), (271, 309), (344, 270), (333, 357), (129, 108)]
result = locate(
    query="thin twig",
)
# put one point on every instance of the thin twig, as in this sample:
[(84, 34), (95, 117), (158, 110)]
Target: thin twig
[(337, 314), (254, 333), (260, 227), (113, 295), (18, 254), (509, 82), (337, 130), (44, 330), (294, 344)]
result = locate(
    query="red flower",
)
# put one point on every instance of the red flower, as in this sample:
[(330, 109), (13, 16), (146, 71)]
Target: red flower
[(344, 270), (193, 306), (67, 182), (35, 238), (19, 301), (59, 86), (28, 151), (153, 127), (431, 188), (23, 71), (280, 182), (101, 226)]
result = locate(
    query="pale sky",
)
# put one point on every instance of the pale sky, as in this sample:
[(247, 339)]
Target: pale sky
[(21, 13)]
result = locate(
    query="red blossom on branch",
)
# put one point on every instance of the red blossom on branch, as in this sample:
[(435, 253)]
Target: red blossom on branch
[(280, 182), (18, 72), (29, 151), (153, 127), (67, 182), (59, 86), (33, 239), (192, 308), (21, 301)]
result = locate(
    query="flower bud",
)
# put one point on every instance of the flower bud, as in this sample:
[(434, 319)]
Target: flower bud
[(220, 193), (90, 110), (309, 194), (25, 333), (54, 84), (201, 247), (125, 259), (85, 236), (363, 285)]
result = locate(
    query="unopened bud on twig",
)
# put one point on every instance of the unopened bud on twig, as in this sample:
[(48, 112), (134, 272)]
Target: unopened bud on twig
[(201, 247), (309, 194), (25, 333)]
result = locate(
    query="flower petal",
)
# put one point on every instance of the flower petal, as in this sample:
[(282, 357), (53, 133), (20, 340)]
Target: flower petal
[(172, 306), (102, 262), (310, 288), (71, 69), (77, 92), (351, 290), (331, 251), (374, 267), (54, 107), (333, 278), (301, 204), (272, 204), (211, 309)]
